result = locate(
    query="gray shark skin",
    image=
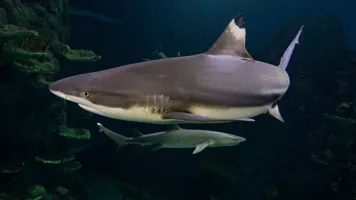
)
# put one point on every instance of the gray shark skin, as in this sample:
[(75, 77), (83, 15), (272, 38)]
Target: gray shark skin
[(221, 85), (176, 137)]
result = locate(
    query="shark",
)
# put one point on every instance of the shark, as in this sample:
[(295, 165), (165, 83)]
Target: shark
[(223, 84), (176, 137)]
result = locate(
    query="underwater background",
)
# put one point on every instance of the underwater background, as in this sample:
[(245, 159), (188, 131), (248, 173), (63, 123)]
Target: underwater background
[(52, 149)]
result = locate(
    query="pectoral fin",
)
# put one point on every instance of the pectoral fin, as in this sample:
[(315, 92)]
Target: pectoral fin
[(274, 111), (200, 147), (197, 118)]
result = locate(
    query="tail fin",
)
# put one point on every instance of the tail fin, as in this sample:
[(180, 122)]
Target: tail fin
[(288, 53), (119, 139)]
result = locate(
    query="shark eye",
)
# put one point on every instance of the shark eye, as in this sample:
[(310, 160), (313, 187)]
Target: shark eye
[(84, 94)]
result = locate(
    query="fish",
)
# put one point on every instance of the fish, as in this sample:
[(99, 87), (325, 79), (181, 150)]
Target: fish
[(175, 137), (223, 84), (92, 15)]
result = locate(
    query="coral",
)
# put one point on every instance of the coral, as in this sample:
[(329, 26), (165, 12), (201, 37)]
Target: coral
[(41, 81), (68, 158), (30, 52), (11, 166), (34, 66), (54, 161), (21, 55), (69, 166), (79, 55), (26, 51), (8, 31), (46, 160), (36, 192), (74, 133), (33, 192), (62, 164)]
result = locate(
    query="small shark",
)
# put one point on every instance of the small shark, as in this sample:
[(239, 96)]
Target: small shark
[(221, 85), (176, 137), (86, 13)]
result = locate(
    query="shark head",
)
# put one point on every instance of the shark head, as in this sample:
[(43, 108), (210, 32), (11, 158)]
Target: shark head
[(100, 93), (228, 140), (81, 89), (73, 88)]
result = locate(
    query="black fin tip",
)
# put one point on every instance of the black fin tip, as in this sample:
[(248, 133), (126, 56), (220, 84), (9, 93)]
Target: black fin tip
[(240, 21)]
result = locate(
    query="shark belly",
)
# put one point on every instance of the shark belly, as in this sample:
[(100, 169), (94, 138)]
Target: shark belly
[(228, 112), (178, 146), (134, 113), (145, 115)]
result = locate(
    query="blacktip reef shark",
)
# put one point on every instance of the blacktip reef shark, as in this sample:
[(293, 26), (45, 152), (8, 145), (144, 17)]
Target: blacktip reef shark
[(176, 137), (221, 85)]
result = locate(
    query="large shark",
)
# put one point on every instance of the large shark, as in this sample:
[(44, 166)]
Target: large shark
[(176, 137), (221, 85)]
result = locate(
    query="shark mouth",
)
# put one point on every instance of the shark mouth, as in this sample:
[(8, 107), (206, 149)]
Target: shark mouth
[(60, 94), (93, 110), (72, 99)]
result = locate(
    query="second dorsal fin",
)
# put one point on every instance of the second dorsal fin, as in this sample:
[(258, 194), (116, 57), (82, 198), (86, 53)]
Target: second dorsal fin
[(173, 127), (232, 40), (137, 133)]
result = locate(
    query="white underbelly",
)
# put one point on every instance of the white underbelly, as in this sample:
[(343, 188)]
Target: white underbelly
[(229, 113), (137, 114), (144, 115), (178, 146)]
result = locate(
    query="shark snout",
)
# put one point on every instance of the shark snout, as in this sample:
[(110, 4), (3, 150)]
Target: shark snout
[(60, 88), (61, 85), (239, 139)]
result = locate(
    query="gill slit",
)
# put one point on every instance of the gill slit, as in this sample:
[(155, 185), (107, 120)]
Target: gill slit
[(155, 106), (157, 103), (147, 102)]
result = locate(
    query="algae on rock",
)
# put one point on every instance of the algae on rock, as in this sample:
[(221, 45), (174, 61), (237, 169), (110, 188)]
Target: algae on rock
[(8, 31), (30, 52), (71, 133), (77, 55)]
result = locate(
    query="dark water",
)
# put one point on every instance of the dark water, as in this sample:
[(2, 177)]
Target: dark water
[(309, 156)]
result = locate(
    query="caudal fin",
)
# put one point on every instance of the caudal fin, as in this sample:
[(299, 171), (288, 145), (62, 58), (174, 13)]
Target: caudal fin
[(119, 139), (289, 51)]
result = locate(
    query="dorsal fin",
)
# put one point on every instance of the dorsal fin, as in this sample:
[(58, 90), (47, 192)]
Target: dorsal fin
[(173, 127), (232, 40), (137, 133)]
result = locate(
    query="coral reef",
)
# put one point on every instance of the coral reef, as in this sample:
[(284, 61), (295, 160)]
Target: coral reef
[(11, 166), (34, 54), (34, 44), (79, 55), (72, 133), (64, 164), (54, 161), (8, 31), (33, 192), (36, 192)]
